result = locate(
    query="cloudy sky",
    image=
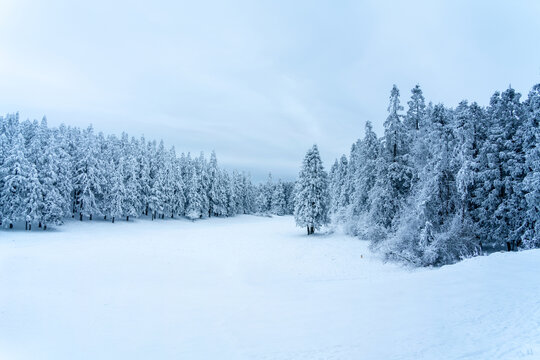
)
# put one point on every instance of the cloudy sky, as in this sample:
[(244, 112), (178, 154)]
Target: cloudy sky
[(258, 81)]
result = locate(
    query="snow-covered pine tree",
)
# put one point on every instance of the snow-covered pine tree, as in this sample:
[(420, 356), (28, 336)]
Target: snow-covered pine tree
[(531, 183), (333, 187), (223, 194), (268, 190), (367, 171), (194, 201), (416, 113), (214, 191), (260, 199), (132, 205), (279, 203), (143, 175), (229, 206), (168, 184), (19, 194), (289, 196), (178, 197), (47, 162), (312, 199), (394, 173), (117, 194), (88, 179), (502, 172), (248, 198), (4, 145), (344, 180), (236, 203)]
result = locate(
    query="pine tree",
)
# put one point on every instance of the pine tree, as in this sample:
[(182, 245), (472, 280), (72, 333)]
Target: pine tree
[(117, 190), (248, 197), (268, 190), (194, 200), (237, 194), (19, 193), (394, 173), (47, 160), (132, 204), (279, 202), (531, 183), (417, 110), (289, 187), (201, 166), (177, 196), (215, 200), (333, 188), (366, 173), (260, 200), (4, 146), (88, 176), (312, 199), (503, 171)]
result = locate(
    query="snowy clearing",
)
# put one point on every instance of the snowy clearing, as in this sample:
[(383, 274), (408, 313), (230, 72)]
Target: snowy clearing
[(252, 288)]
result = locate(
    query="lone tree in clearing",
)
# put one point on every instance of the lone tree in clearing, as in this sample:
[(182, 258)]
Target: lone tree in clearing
[(312, 199)]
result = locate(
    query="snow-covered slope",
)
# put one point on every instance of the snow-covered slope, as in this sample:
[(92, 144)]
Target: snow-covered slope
[(253, 288)]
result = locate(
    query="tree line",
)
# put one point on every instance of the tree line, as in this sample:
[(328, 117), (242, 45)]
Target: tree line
[(444, 183), (50, 174)]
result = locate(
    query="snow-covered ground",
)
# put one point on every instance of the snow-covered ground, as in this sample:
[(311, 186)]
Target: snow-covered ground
[(253, 288)]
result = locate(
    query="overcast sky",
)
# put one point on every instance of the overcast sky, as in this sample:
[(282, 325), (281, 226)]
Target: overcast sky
[(258, 81)]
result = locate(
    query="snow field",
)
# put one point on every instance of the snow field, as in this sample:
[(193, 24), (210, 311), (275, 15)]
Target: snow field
[(252, 288)]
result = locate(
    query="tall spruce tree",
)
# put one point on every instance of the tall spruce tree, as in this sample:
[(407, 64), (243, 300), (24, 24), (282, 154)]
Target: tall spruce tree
[(312, 199)]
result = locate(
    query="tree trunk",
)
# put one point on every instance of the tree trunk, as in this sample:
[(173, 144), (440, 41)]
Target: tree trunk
[(312, 230), (10, 225), (308, 230), (127, 218), (30, 227), (90, 216), (39, 225), (80, 216), (44, 227), (105, 217), (508, 246), (146, 212), (26, 225)]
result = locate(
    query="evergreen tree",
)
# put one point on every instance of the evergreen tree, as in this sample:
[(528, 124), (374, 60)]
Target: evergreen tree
[(394, 174), (417, 109), (366, 173), (279, 203), (19, 193), (194, 200), (333, 187), (531, 184), (88, 176), (311, 200)]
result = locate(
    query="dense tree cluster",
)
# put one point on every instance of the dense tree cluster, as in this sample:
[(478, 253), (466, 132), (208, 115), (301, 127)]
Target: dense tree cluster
[(444, 183), (48, 174), (275, 198)]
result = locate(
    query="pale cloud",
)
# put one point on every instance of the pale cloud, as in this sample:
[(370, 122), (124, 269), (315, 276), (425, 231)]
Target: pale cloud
[(259, 82)]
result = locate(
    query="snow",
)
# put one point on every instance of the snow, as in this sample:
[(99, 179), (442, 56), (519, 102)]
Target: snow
[(253, 288)]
